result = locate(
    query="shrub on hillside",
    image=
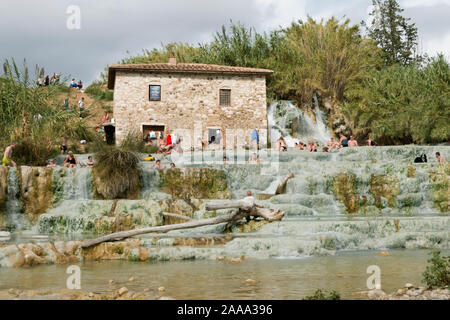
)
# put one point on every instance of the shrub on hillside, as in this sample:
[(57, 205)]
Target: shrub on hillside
[(438, 273)]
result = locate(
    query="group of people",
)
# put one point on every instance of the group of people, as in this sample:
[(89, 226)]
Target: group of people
[(46, 81), (77, 85), (313, 146), (159, 166), (171, 143), (72, 162)]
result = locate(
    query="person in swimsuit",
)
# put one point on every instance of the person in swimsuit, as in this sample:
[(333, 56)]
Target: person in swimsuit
[(63, 146), (440, 158), (71, 161), (51, 164), (90, 162), (343, 140), (6, 161), (352, 142)]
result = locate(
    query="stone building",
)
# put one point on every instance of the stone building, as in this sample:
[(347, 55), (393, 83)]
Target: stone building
[(190, 100)]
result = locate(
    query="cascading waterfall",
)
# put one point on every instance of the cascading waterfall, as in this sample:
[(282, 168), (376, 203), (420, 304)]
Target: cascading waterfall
[(13, 206), (290, 122), (78, 184)]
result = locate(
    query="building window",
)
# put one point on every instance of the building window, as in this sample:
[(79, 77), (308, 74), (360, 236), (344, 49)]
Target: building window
[(154, 92), (225, 97)]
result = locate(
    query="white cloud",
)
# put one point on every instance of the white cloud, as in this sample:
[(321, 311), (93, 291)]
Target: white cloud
[(282, 13), (422, 3)]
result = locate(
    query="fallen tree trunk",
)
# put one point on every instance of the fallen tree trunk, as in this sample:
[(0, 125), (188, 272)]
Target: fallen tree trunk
[(174, 215), (159, 229), (282, 186), (243, 210)]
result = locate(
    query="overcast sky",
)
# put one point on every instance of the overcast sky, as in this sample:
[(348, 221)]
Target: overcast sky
[(38, 32)]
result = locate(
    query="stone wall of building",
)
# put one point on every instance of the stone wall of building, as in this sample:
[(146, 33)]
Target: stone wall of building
[(190, 105)]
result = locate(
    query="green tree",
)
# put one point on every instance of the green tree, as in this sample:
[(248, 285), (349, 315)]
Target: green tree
[(402, 104), (321, 56), (392, 32)]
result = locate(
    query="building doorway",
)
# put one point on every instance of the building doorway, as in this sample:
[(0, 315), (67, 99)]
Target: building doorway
[(110, 133), (151, 132)]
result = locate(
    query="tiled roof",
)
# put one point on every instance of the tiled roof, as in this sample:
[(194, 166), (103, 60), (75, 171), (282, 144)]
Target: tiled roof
[(182, 68)]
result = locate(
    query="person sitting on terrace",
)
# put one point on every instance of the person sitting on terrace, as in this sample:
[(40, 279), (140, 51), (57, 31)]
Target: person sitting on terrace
[(51, 164), (161, 144), (167, 149), (332, 144), (440, 158), (71, 161), (370, 143), (352, 142), (343, 141), (310, 146), (315, 146), (281, 145), (158, 165), (172, 165), (90, 162), (254, 158), (299, 145)]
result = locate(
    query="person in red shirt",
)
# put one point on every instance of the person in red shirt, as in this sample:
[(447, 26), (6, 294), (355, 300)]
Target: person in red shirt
[(168, 140)]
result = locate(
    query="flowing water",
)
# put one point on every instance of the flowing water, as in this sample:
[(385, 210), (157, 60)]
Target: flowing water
[(78, 184), (275, 278), (293, 124), (13, 206)]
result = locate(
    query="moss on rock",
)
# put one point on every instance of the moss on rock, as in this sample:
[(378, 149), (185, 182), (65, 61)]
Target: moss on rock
[(344, 189), (36, 190), (384, 186), (200, 183), (440, 182)]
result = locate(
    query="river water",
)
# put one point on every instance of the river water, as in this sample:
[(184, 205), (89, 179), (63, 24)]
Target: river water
[(206, 279)]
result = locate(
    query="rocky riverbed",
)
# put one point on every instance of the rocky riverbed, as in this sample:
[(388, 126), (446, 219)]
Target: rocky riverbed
[(408, 292)]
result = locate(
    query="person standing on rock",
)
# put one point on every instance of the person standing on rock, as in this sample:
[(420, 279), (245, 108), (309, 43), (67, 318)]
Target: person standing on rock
[(6, 161)]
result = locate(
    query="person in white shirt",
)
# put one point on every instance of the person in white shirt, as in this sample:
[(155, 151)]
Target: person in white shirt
[(81, 104)]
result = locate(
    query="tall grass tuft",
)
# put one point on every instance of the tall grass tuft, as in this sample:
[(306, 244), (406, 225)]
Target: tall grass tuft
[(116, 170), (34, 116)]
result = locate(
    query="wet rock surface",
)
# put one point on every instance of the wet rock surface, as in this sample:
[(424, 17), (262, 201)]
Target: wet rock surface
[(408, 292)]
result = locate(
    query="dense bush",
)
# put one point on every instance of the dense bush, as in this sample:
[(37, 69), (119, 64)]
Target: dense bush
[(323, 295), (438, 273), (116, 170), (403, 104)]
